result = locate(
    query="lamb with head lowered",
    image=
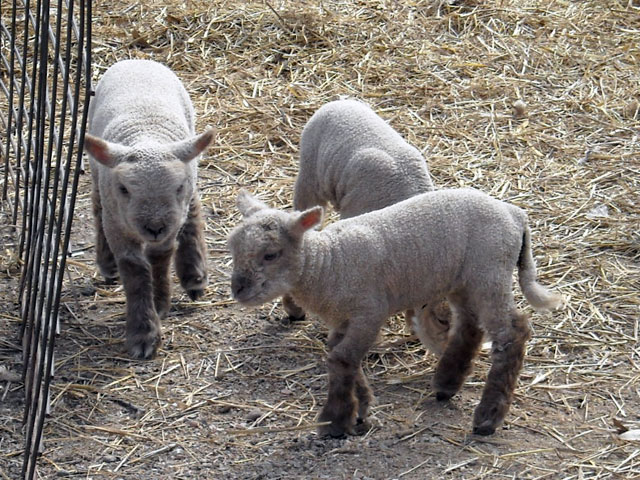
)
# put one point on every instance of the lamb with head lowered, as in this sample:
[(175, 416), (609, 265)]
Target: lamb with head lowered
[(457, 244), (352, 158), (143, 155)]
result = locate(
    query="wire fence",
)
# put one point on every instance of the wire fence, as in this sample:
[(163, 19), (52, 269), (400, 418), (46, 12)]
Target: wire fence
[(45, 50)]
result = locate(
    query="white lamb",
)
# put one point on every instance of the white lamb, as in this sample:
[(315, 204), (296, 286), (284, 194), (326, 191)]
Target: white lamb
[(353, 159), (144, 153), (459, 244)]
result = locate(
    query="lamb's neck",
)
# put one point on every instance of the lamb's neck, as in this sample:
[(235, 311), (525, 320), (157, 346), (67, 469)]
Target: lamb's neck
[(315, 265)]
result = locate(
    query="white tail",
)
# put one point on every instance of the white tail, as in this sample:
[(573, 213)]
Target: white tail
[(538, 296)]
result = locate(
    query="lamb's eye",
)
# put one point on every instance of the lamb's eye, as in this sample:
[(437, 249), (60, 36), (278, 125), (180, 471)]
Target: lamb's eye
[(180, 189), (270, 257), (123, 190)]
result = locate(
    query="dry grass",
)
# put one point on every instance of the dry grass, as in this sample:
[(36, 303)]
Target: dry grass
[(234, 392)]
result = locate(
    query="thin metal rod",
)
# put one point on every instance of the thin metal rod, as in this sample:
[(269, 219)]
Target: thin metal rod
[(48, 91)]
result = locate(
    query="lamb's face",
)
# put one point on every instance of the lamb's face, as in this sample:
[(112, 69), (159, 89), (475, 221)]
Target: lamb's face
[(264, 258), (148, 188), (152, 191)]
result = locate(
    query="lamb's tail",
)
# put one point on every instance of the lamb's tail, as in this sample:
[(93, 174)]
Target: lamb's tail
[(538, 296)]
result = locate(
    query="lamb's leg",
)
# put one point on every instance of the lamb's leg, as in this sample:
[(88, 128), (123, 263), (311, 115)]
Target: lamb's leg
[(408, 321), (295, 312), (161, 280), (191, 256), (364, 395), (334, 338), (104, 257), (340, 408), (507, 356), (462, 346), (305, 193), (143, 331), (346, 379), (363, 392)]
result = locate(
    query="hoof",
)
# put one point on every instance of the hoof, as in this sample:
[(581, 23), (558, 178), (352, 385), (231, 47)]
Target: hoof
[(340, 426), (111, 280), (195, 293), (484, 430), (144, 347), (332, 430), (443, 396), (488, 417), (162, 312), (194, 283), (162, 307), (361, 427), (109, 273)]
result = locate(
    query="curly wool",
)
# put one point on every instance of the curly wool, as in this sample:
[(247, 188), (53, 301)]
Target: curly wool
[(353, 159)]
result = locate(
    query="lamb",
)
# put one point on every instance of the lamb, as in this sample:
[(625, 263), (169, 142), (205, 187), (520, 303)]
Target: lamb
[(458, 244), (143, 155), (353, 159)]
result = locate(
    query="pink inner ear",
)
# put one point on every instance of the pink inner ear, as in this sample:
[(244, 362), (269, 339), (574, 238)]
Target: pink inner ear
[(310, 219), (204, 140), (98, 149)]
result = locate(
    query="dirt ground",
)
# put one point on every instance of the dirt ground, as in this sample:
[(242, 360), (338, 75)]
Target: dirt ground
[(234, 392)]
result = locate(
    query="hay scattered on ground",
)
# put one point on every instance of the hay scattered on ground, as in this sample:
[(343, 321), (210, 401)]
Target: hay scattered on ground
[(534, 102)]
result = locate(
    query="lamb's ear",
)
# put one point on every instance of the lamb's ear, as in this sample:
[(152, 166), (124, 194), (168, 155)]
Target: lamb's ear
[(187, 150), (248, 204), (304, 221), (107, 153)]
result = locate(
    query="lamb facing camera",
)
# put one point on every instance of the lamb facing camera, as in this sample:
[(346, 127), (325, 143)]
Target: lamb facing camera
[(459, 244), (143, 155)]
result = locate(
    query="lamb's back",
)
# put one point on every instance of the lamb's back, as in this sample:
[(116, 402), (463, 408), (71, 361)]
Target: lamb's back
[(346, 150), (141, 99), (434, 238), (350, 124)]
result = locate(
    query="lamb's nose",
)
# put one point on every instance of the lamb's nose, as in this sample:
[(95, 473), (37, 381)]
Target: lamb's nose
[(154, 229), (239, 283)]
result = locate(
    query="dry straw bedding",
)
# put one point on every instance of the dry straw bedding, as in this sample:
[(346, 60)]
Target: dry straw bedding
[(234, 391)]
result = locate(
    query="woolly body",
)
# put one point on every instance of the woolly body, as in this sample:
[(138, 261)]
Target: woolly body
[(447, 240), (459, 244), (143, 156)]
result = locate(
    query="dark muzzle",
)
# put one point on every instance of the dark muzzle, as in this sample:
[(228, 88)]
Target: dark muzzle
[(239, 284)]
